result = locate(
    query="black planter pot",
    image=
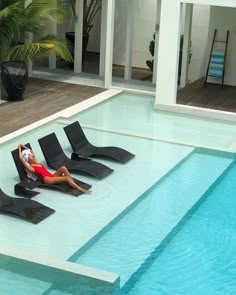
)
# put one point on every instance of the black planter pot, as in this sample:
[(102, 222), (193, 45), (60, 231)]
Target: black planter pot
[(14, 76), (70, 40)]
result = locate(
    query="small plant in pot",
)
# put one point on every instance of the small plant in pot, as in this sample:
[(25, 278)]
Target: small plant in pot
[(90, 9), (150, 62)]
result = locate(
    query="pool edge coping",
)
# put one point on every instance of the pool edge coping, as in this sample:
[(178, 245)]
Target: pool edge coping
[(67, 266)]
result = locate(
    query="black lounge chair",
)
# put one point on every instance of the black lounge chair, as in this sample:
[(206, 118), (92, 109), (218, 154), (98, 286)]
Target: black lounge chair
[(82, 147), (55, 158), (26, 185), (29, 210)]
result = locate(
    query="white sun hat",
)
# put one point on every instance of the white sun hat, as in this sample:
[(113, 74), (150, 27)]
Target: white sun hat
[(25, 154)]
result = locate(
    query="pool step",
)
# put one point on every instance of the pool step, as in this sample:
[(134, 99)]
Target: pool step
[(125, 247)]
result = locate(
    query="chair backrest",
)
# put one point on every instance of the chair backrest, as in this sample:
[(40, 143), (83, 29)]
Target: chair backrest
[(52, 150), (76, 136), (19, 166)]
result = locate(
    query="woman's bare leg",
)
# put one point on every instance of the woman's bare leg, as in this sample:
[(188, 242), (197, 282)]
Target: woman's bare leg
[(62, 170), (68, 179)]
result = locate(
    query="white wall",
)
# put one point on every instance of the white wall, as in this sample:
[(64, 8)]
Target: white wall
[(226, 3), (224, 19), (199, 39), (144, 27), (94, 37), (168, 54), (205, 19), (120, 32)]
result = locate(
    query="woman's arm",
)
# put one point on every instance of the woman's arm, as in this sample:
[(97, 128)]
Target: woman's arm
[(26, 164), (19, 150)]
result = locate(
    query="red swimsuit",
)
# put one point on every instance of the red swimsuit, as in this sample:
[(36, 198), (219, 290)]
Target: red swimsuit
[(41, 170)]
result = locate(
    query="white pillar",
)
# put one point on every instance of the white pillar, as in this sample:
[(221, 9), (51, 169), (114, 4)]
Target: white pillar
[(78, 49), (129, 40), (30, 64), (186, 44), (53, 58), (109, 43), (103, 38), (168, 55), (158, 15)]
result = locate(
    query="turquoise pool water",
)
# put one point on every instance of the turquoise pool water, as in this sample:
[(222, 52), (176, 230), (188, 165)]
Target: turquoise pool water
[(176, 240), (130, 113), (200, 257), (89, 213), (136, 212)]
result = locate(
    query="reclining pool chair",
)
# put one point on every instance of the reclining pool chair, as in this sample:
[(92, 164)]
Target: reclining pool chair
[(82, 147), (29, 210), (55, 158), (25, 187)]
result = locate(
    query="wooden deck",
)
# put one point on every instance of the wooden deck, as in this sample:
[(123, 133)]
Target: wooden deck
[(211, 96), (44, 98)]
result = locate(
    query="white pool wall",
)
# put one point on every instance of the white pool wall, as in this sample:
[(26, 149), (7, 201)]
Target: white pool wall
[(89, 279), (197, 112)]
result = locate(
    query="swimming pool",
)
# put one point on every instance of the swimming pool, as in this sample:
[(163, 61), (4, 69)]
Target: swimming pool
[(144, 246), (199, 258), (158, 162)]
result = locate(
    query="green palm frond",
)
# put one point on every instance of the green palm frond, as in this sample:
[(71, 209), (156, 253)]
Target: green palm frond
[(38, 50), (9, 6), (38, 17), (10, 11), (68, 5), (19, 24)]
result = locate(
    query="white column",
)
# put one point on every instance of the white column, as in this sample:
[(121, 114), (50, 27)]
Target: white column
[(30, 64), (186, 44), (158, 15), (109, 43), (129, 40), (103, 38), (78, 50), (168, 55), (53, 58)]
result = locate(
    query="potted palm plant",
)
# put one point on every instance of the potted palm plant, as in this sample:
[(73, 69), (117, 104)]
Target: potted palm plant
[(19, 23), (90, 9), (22, 31)]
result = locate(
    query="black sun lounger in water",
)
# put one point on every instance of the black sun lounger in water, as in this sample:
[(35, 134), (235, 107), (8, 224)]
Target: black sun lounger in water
[(82, 147), (29, 210), (25, 187), (55, 158)]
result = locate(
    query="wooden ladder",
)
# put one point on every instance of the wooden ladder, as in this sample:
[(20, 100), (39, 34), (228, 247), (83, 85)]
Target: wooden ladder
[(217, 61)]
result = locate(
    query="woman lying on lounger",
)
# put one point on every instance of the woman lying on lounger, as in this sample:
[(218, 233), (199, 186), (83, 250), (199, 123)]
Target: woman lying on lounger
[(30, 162)]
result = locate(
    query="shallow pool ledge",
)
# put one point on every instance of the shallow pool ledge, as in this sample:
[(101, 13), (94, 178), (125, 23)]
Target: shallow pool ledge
[(196, 111), (75, 109), (62, 275)]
